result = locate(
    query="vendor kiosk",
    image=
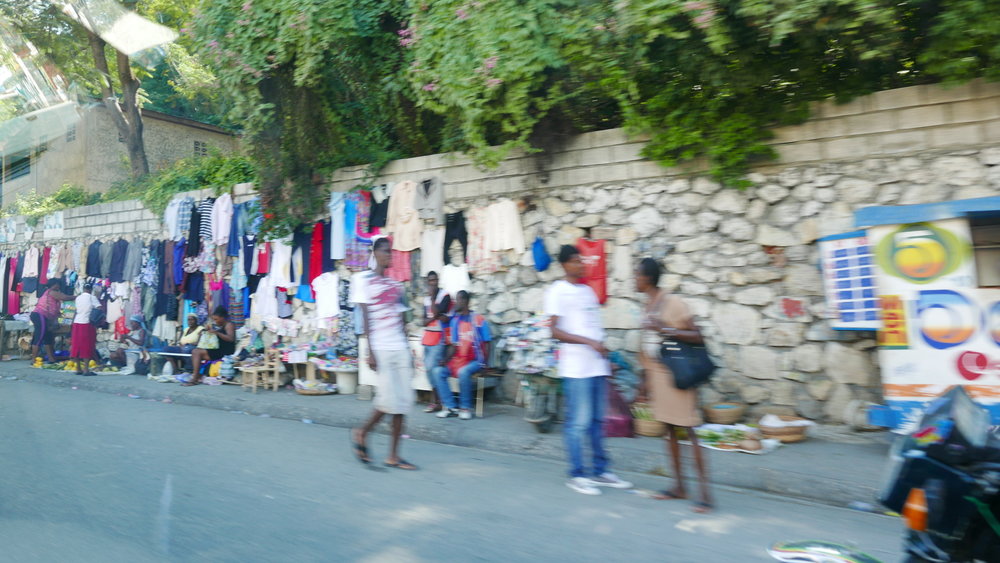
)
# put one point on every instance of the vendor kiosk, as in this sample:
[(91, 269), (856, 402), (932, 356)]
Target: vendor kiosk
[(934, 273)]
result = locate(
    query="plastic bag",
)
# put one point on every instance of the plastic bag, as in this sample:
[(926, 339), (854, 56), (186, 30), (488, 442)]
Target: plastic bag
[(541, 255)]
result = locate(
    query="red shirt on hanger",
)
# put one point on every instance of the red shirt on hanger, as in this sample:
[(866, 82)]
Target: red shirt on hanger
[(595, 262)]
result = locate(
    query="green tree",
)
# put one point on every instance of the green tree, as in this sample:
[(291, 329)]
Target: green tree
[(317, 85), (109, 74)]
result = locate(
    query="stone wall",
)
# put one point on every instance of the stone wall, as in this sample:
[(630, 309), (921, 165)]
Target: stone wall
[(745, 261)]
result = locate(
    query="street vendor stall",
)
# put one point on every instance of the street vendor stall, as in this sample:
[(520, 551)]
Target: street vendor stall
[(936, 269)]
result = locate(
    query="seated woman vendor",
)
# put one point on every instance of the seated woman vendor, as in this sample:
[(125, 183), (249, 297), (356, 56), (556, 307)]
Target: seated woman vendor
[(186, 344), (219, 326)]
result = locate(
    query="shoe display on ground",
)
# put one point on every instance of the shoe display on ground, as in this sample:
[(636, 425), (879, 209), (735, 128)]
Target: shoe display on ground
[(609, 479), (465, 414), (583, 486)]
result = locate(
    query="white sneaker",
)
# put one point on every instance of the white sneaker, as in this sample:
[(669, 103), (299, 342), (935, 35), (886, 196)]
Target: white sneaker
[(446, 413), (465, 414), (608, 479), (583, 486)]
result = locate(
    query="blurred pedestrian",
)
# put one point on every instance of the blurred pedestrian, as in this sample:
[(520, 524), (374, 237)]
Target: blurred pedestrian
[(666, 316), (83, 338), (575, 316), (382, 308)]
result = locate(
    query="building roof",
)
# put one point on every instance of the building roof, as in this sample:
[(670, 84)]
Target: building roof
[(148, 113), (900, 214)]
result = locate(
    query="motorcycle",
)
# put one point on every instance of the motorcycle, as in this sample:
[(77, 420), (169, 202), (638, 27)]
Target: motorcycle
[(944, 479)]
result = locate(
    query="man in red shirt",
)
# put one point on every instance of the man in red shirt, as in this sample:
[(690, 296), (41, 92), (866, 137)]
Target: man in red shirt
[(467, 352)]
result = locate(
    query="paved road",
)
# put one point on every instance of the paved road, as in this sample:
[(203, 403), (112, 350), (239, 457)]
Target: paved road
[(92, 477)]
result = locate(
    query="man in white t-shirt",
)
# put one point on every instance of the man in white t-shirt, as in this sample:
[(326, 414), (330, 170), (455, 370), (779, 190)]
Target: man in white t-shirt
[(575, 315), (381, 302)]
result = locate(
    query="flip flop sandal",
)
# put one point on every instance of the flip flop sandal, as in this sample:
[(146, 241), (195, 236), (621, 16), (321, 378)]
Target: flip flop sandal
[(668, 495), (433, 408), (360, 452), (702, 507), (402, 464)]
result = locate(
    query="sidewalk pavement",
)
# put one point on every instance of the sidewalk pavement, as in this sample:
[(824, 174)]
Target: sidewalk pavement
[(834, 466)]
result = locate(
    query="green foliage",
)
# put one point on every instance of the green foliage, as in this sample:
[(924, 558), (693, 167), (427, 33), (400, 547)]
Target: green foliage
[(316, 86), (34, 206), (321, 84), (189, 174)]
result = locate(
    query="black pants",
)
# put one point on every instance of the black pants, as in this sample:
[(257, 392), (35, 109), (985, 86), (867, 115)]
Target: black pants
[(454, 229)]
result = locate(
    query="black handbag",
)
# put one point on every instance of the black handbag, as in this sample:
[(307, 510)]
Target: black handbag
[(689, 363)]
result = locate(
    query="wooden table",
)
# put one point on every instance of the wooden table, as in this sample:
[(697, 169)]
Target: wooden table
[(16, 326)]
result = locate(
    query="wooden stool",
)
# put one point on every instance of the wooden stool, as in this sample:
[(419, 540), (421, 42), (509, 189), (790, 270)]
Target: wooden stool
[(266, 374)]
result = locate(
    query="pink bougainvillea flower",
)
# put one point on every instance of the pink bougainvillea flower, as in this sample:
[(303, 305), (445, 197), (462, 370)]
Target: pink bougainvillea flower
[(405, 32), (494, 82), (693, 6), (407, 41), (213, 44), (491, 62), (247, 6), (461, 14), (703, 20), (429, 87)]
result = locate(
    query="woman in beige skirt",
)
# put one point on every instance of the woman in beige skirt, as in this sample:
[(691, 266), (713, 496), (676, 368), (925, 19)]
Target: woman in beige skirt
[(668, 317)]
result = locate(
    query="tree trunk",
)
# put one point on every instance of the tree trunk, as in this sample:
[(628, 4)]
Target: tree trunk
[(124, 113)]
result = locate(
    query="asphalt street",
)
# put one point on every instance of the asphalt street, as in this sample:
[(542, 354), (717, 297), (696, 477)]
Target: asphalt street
[(88, 476)]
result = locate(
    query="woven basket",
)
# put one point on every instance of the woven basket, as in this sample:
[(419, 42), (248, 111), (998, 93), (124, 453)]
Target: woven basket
[(725, 413), (786, 434), (313, 392), (653, 428)]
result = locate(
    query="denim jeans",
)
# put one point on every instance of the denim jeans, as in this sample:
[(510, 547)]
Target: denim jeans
[(432, 357), (586, 398), (465, 373)]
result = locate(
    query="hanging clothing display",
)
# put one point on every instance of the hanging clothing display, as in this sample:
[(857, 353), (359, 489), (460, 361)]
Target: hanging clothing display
[(480, 258), (431, 247), (205, 228), (193, 248), (399, 269), (504, 230), (455, 230), (119, 251), (595, 264), (404, 224), (455, 278), (316, 255), (338, 242), (327, 288), (222, 219), (358, 248), (93, 260), (379, 209), (429, 201), (133, 260)]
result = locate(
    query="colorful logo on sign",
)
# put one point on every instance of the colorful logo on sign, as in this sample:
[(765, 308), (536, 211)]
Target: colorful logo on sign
[(921, 253), (946, 318)]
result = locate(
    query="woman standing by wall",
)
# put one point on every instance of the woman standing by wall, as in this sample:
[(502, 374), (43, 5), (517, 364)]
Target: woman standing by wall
[(45, 318), (668, 317), (84, 335)]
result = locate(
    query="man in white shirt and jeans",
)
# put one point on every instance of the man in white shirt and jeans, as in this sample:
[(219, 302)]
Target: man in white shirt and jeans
[(583, 365)]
